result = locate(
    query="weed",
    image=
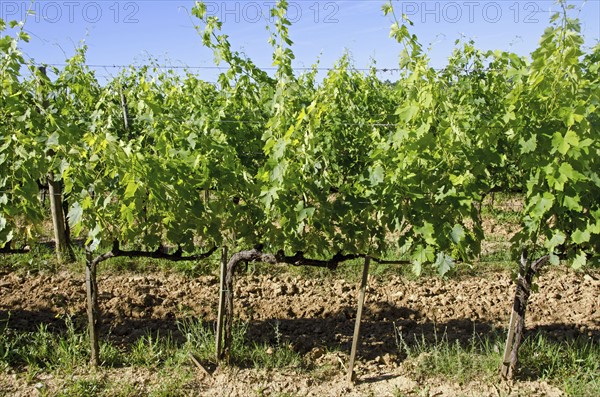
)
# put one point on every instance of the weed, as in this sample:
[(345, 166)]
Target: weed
[(84, 388), (175, 383), (479, 358), (574, 365), (151, 351), (199, 339)]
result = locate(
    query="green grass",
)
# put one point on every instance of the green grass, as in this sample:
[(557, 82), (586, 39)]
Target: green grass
[(40, 259), (503, 207), (65, 355), (573, 366), (44, 350), (91, 387), (478, 359), (189, 269), (67, 351)]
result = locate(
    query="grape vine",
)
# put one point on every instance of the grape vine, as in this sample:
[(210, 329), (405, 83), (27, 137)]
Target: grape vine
[(295, 169)]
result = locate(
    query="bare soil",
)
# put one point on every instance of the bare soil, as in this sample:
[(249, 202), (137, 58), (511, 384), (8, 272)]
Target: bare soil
[(314, 316)]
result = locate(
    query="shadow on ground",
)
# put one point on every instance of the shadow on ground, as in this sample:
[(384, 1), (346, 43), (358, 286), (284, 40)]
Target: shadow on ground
[(384, 329)]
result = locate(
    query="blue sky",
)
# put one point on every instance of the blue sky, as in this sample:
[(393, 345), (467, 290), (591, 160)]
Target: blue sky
[(129, 32)]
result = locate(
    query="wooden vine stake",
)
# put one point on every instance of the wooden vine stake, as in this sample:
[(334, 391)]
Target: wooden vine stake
[(221, 313), (58, 220), (92, 307), (361, 301), (56, 201)]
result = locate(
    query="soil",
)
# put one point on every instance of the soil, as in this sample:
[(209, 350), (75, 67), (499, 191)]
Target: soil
[(315, 317)]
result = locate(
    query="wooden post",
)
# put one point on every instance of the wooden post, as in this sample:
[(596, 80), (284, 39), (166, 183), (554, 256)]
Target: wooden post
[(361, 301), (58, 220), (92, 307), (221, 313), (125, 112), (228, 309), (510, 338), (55, 192)]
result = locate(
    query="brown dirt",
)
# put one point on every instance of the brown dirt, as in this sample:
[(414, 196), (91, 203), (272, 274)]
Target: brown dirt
[(315, 316)]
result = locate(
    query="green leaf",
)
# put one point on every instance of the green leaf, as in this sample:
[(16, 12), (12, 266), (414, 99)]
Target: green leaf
[(555, 179), (457, 234), (579, 261), (64, 166), (562, 144), (457, 180), (508, 116), (444, 263), (541, 204), (23, 36), (557, 239), (75, 214), (386, 8), (191, 138), (376, 175), (570, 116), (407, 113), (52, 140), (572, 203), (423, 254), (580, 236), (427, 231), (130, 190), (528, 146), (568, 172), (303, 212), (199, 10), (594, 227), (417, 268), (127, 213)]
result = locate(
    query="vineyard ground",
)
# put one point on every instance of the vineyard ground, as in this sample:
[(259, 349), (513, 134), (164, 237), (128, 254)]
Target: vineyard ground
[(420, 337)]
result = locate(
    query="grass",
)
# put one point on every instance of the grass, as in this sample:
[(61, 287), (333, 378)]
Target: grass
[(477, 359), (43, 349), (503, 207), (65, 356), (85, 387), (573, 366), (40, 259)]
